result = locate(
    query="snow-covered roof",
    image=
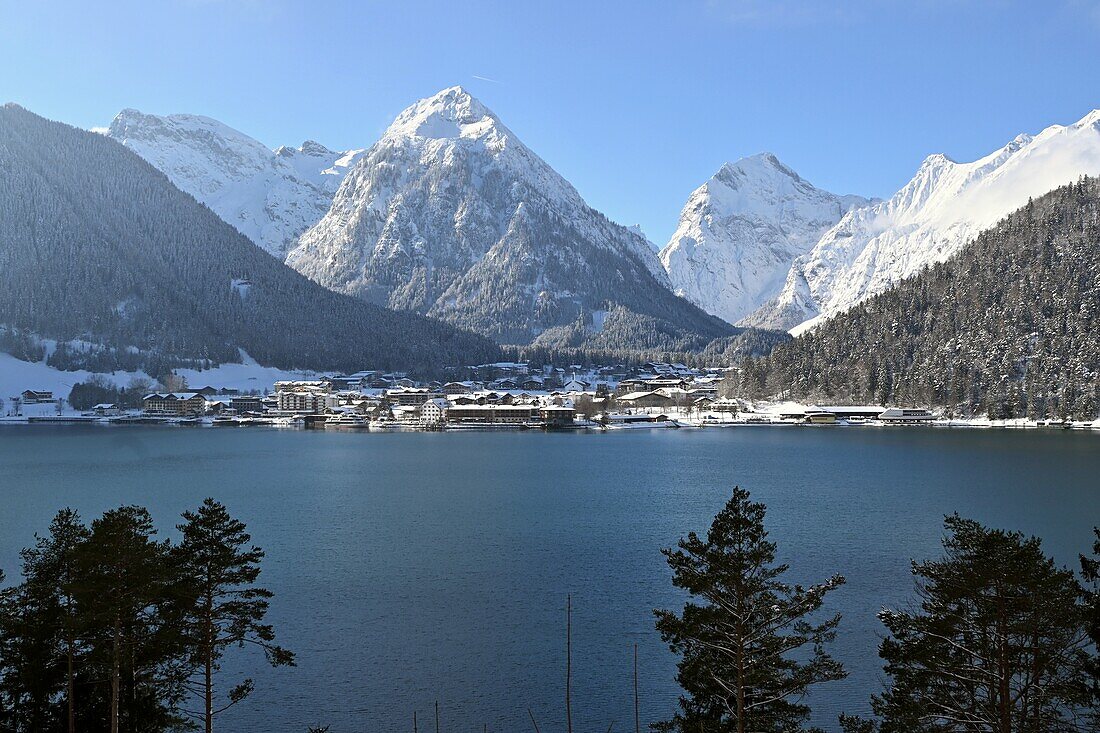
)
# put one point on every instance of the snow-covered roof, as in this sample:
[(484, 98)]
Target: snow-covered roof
[(638, 395)]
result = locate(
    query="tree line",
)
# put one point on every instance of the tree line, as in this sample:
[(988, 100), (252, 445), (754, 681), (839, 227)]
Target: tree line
[(572, 345), (113, 629), (1009, 327)]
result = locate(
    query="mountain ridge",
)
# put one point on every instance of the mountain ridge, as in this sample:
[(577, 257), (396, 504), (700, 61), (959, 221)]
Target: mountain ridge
[(945, 205), (270, 196)]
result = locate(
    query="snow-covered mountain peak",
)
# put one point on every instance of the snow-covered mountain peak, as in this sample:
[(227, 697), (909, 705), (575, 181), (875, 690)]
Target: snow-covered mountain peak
[(451, 113), (740, 231), (760, 164), (131, 124), (312, 147), (450, 214), (1092, 118), (935, 161), (158, 138), (944, 206), (269, 196), (309, 147)]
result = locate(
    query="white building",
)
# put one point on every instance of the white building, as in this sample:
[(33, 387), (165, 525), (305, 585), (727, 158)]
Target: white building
[(312, 403), (434, 412)]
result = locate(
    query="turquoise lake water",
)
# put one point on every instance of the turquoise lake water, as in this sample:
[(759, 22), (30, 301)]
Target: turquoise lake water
[(415, 567)]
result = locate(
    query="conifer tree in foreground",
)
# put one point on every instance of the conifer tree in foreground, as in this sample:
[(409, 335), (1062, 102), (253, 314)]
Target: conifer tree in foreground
[(224, 606), (113, 630), (48, 605), (42, 650), (748, 651), (127, 598), (998, 644)]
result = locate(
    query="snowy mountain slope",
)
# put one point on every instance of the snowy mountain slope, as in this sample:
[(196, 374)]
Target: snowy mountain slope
[(269, 196), (449, 214), (740, 232), (943, 207)]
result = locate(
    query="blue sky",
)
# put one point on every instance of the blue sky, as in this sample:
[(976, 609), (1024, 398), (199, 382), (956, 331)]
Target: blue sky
[(636, 103)]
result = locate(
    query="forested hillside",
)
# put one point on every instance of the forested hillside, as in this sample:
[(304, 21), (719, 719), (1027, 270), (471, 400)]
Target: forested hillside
[(96, 245), (621, 329), (1009, 327)]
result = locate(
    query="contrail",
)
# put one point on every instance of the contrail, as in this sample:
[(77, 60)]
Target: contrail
[(485, 78)]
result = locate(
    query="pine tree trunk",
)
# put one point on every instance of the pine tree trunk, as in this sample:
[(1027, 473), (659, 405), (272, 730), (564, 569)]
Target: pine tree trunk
[(740, 679), (115, 676), (71, 687), (208, 673), (1003, 672)]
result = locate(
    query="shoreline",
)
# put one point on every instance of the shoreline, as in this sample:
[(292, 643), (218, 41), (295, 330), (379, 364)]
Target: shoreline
[(672, 423)]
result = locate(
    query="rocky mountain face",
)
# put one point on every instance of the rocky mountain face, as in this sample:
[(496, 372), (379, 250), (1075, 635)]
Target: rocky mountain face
[(269, 196), (450, 215), (1007, 327), (101, 252), (740, 232), (932, 217)]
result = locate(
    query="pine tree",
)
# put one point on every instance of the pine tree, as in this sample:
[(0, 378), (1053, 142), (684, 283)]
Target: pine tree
[(128, 604), (998, 642), (38, 638), (219, 568), (748, 652), (48, 596)]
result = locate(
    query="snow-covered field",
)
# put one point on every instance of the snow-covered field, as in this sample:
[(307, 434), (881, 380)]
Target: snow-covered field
[(17, 375), (246, 377)]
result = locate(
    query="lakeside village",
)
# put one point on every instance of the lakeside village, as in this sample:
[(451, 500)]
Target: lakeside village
[(499, 396)]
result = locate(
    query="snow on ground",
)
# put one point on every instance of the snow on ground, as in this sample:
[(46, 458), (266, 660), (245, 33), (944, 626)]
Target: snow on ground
[(17, 375), (246, 377)]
